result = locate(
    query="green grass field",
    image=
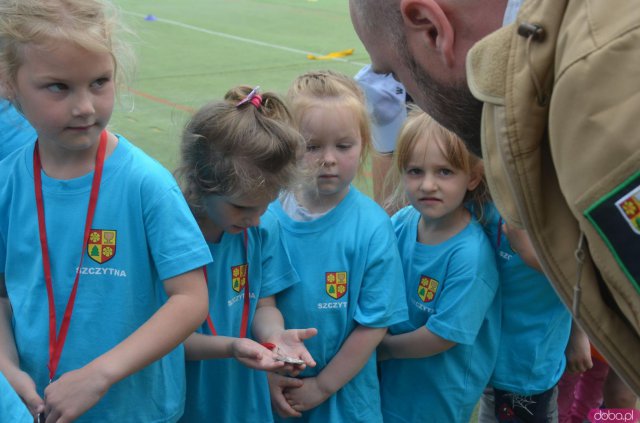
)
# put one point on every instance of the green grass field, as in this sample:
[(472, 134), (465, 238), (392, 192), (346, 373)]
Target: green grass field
[(197, 49)]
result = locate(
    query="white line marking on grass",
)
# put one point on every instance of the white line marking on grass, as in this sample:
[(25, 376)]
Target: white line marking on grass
[(242, 39)]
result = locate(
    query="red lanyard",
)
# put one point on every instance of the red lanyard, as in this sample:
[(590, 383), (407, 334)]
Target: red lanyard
[(57, 343), (245, 306)]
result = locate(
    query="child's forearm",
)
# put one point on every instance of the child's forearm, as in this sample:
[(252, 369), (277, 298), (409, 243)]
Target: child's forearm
[(350, 359), (417, 344), (205, 347), (178, 318), (267, 320)]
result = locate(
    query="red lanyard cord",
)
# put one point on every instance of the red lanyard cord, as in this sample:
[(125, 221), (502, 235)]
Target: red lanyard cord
[(245, 307), (56, 344)]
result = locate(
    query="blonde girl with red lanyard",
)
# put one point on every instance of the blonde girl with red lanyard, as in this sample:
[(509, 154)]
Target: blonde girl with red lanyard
[(237, 155), (100, 258)]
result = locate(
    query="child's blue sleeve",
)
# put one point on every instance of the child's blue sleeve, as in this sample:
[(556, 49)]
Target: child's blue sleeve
[(175, 240), (468, 293), (382, 300)]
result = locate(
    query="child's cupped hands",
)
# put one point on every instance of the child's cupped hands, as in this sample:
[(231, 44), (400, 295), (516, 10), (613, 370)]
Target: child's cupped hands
[(290, 344), (254, 355), (278, 384), (308, 396)]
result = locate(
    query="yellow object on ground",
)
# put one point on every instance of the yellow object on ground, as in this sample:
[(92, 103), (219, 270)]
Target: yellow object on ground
[(333, 55)]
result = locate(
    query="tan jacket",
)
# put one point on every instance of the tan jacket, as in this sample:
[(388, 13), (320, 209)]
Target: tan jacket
[(561, 143)]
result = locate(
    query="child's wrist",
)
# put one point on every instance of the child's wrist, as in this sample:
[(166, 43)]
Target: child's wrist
[(271, 333), (11, 371), (103, 372), (232, 348), (325, 385)]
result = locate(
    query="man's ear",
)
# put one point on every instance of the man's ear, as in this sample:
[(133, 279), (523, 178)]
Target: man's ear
[(427, 19)]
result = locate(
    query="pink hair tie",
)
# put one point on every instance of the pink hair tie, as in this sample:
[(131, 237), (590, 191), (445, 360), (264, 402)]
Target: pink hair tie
[(253, 97)]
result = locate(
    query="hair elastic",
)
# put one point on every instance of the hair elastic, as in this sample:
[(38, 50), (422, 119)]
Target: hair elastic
[(253, 97)]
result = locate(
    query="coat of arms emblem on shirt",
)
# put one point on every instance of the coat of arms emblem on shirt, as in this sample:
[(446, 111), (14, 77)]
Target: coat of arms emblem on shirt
[(336, 284), (629, 205), (427, 289), (101, 245), (238, 277)]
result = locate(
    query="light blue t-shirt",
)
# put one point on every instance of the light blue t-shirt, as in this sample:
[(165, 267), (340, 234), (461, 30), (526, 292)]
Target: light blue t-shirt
[(143, 233), (351, 275), (452, 289), (12, 409), (224, 390), (15, 131), (535, 323)]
